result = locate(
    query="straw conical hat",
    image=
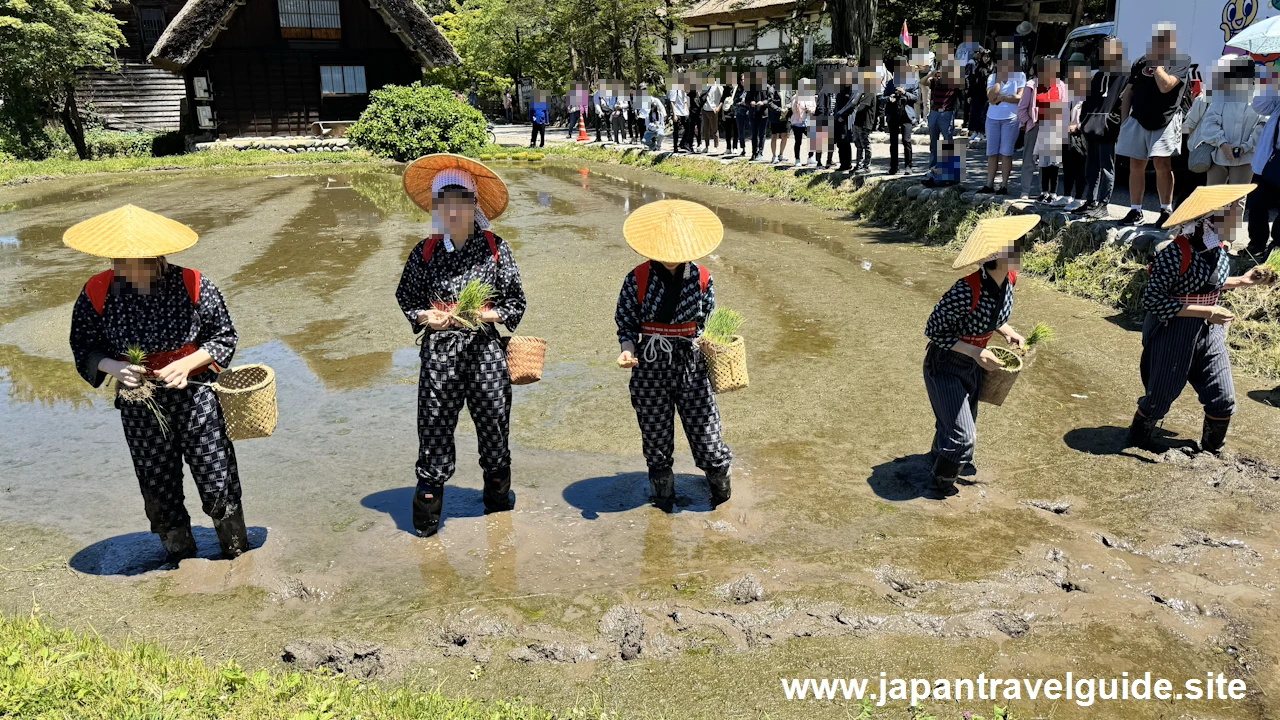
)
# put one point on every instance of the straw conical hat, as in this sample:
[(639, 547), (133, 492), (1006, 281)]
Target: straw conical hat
[(129, 232), (491, 192), (994, 235), (673, 231), (1205, 200)]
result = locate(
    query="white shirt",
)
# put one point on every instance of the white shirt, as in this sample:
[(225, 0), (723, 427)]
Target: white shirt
[(1006, 110), (679, 102), (714, 95)]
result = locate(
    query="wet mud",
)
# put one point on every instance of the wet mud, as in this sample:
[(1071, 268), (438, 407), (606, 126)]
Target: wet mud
[(1062, 551)]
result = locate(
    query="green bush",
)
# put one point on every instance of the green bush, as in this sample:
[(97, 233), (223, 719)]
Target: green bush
[(407, 122)]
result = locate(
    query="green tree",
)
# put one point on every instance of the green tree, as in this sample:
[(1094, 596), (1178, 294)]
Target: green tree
[(43, 43)]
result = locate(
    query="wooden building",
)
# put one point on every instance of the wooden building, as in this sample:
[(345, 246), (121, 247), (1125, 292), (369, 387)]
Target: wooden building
[(278, 67), (137, 96), (739, 30)]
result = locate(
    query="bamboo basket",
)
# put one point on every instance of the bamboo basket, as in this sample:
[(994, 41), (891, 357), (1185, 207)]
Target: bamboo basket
[(525, 356), (247, 395), (997, 383), (726, 365)]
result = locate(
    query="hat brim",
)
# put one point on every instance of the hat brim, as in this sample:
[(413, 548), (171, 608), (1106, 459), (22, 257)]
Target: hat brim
[(129, 232), (673, 231), (993, 236), (491, 191), (1205, 200)]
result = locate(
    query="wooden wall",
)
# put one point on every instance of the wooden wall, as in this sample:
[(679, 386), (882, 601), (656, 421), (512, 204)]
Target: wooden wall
[(264, 84), (138, 96)]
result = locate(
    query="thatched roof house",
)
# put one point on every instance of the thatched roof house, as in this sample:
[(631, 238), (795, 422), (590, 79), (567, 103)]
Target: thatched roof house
[(278, 67)]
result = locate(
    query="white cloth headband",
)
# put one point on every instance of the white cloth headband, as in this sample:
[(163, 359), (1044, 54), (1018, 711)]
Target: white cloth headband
[(462, 178)]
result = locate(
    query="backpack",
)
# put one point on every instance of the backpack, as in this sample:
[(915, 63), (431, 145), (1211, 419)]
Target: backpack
[(98, 285), (429, 247), (642, 280), (975, 285), (1184, 245)]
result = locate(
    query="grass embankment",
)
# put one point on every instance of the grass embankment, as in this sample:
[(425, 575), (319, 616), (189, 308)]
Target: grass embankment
[(51, 673), (23, 171), (1071, 258)]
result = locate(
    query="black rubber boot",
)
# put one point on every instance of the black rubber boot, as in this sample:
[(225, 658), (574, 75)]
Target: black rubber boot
[(427, 511), (944, 476), (233, 536), (497, 491), (1142, 434), (662, 489), (1214, 434), (721, 490), (179, 544)]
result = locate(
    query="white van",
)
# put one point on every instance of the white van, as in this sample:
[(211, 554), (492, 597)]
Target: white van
[(1204, 28)]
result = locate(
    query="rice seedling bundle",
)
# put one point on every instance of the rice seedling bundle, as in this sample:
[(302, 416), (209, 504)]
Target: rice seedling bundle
[(725, 352), (1041, 333), (144, 394), (471, 300)]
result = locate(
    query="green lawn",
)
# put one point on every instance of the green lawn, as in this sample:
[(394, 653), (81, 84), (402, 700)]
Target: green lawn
[(51, 673), (31, 170)]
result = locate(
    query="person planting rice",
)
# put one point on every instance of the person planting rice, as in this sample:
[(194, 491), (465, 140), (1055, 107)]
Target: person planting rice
[(163, 332), (1184, 334), (959, 329), (456, 284), (662, 312)]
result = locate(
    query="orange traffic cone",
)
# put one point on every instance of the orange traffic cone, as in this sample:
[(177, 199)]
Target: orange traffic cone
[(582, 129)]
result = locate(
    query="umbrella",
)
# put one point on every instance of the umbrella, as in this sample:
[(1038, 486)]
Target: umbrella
[(1261, 38)]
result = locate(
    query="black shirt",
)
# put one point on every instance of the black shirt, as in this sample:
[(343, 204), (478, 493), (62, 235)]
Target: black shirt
[(1151, 108), (671, 286), (1100, 113)]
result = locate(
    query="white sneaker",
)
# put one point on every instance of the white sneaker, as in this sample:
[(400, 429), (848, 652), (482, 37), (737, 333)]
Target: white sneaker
[(1074, 205), (811, 162), (798, 163), (1061, 201)]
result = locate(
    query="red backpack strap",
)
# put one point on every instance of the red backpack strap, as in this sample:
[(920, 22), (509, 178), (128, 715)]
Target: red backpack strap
[(975, 287), (493, 245), (191, 278), (704, 278), (97, 287), (1184, 245), (642, 281), (1013, 277)]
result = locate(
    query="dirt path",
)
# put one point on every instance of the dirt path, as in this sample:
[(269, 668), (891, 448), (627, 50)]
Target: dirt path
[(1064, 553)]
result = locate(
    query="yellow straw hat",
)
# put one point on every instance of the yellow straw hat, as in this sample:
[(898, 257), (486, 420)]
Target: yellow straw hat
[(673, 231), (993, 236), (491, 192), (1205, 200), (129, 232)]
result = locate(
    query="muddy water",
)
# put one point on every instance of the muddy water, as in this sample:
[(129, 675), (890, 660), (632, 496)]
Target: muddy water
[(1166, 564)]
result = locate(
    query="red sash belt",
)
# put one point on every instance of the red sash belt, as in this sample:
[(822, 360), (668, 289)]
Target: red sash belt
[(978, 340), (1206, 299), (688, 329), (156, 361)]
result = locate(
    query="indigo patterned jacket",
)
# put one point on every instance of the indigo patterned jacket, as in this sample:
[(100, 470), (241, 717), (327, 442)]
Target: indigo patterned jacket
[(162, 320), (1207, 273), (424, 284), (953, 317), (693, 306)]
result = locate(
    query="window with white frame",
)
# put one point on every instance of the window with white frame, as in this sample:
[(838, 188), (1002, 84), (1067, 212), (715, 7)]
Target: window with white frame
[(698, 40), (722, 38), (342, 80), (310, 19)]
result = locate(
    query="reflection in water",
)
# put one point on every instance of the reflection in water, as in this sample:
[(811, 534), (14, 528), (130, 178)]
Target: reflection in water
[(36, 379), (500, 565), (658, 557), (336, 370)]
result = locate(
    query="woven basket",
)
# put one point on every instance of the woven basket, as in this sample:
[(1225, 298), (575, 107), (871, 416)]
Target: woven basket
[(248, 398), (997, 383), (524, 358), (726, 365)]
